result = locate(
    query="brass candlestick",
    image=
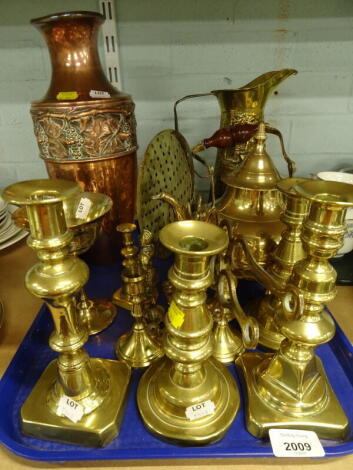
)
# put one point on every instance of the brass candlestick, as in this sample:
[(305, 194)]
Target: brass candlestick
[(224, 307), (83, 213), (189, 397), (289, 389), (286, 254), (228, 343), (96, 387), (137, 347), (153, 313), (130, 274)]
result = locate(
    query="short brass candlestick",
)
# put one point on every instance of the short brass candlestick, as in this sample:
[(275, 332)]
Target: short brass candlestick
[(97, 387), (228, 343), (189, 397), (153, 313), (227, 294), (137, 347), (289, 389), (123, 296), (286, 254)]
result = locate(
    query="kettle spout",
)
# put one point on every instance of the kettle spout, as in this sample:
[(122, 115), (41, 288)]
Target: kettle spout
[(180, 212)]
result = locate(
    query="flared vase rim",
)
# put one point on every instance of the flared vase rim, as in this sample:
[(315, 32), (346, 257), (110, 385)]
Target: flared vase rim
[(66, 15)]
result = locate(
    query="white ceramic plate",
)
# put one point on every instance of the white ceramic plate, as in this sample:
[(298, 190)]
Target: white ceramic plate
[(335, 176), (13, 240), (11, 232), (3, 204), (6, 227), (4, 221)]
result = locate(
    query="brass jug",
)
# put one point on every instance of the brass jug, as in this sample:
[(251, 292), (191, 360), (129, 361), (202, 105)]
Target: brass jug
[(244, 106), (240, 106)]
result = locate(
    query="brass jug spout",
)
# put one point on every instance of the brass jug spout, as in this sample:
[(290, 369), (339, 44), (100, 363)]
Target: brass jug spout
[(270, 80), (245, 105)]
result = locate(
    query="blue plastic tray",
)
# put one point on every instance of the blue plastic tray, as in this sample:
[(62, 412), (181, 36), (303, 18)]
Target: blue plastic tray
[(134, 442)]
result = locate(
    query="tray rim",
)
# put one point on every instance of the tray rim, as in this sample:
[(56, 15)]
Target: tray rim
[(187, 452)]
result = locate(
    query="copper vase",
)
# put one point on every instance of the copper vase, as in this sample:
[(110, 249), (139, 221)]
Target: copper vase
[(86, 128)]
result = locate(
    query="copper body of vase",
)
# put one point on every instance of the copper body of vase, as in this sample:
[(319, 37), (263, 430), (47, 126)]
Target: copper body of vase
[(86, 128)]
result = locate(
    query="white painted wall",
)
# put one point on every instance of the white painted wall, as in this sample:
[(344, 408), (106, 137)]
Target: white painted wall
[(173, 48)]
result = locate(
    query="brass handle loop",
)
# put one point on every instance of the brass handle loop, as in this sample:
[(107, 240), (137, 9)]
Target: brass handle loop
[(290, 163), (292, 300), (292, 303), (227, 285), (187, 97)]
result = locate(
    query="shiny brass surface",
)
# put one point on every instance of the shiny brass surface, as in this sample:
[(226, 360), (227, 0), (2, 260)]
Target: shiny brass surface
[(244, 105), (137, 347), (251, 206), (287, 253), (289, 389), (328, 420), (123, 296), (257, 198), (224, 306), (227, 342), (96, 314), (98, 386), (153, 313), (84, 229), (181, 383), (85, 128), (2, 313)]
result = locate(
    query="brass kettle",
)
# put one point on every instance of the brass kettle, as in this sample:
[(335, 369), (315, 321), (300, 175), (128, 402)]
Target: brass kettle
[(250, 207)]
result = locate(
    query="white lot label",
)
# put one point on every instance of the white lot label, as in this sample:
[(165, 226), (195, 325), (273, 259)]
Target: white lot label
[(70, 408), (83, 208), (99, 94), (295, 443), (201, 409)]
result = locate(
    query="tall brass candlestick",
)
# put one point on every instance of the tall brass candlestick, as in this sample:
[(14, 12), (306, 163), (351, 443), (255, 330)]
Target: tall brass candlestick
[(289, 389), (189, 397), (96, 387), (286, 254)]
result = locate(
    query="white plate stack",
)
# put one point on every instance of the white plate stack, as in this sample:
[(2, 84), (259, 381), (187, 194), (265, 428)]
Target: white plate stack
[(9, 232)]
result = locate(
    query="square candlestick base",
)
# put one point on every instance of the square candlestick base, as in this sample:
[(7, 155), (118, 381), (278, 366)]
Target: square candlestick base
[(95, 429), (330, 423)]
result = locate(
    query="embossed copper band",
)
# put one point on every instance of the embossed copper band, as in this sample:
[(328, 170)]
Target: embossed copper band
[(85, 130)]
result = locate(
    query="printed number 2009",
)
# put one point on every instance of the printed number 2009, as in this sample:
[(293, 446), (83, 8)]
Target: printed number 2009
[(297, 446)]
